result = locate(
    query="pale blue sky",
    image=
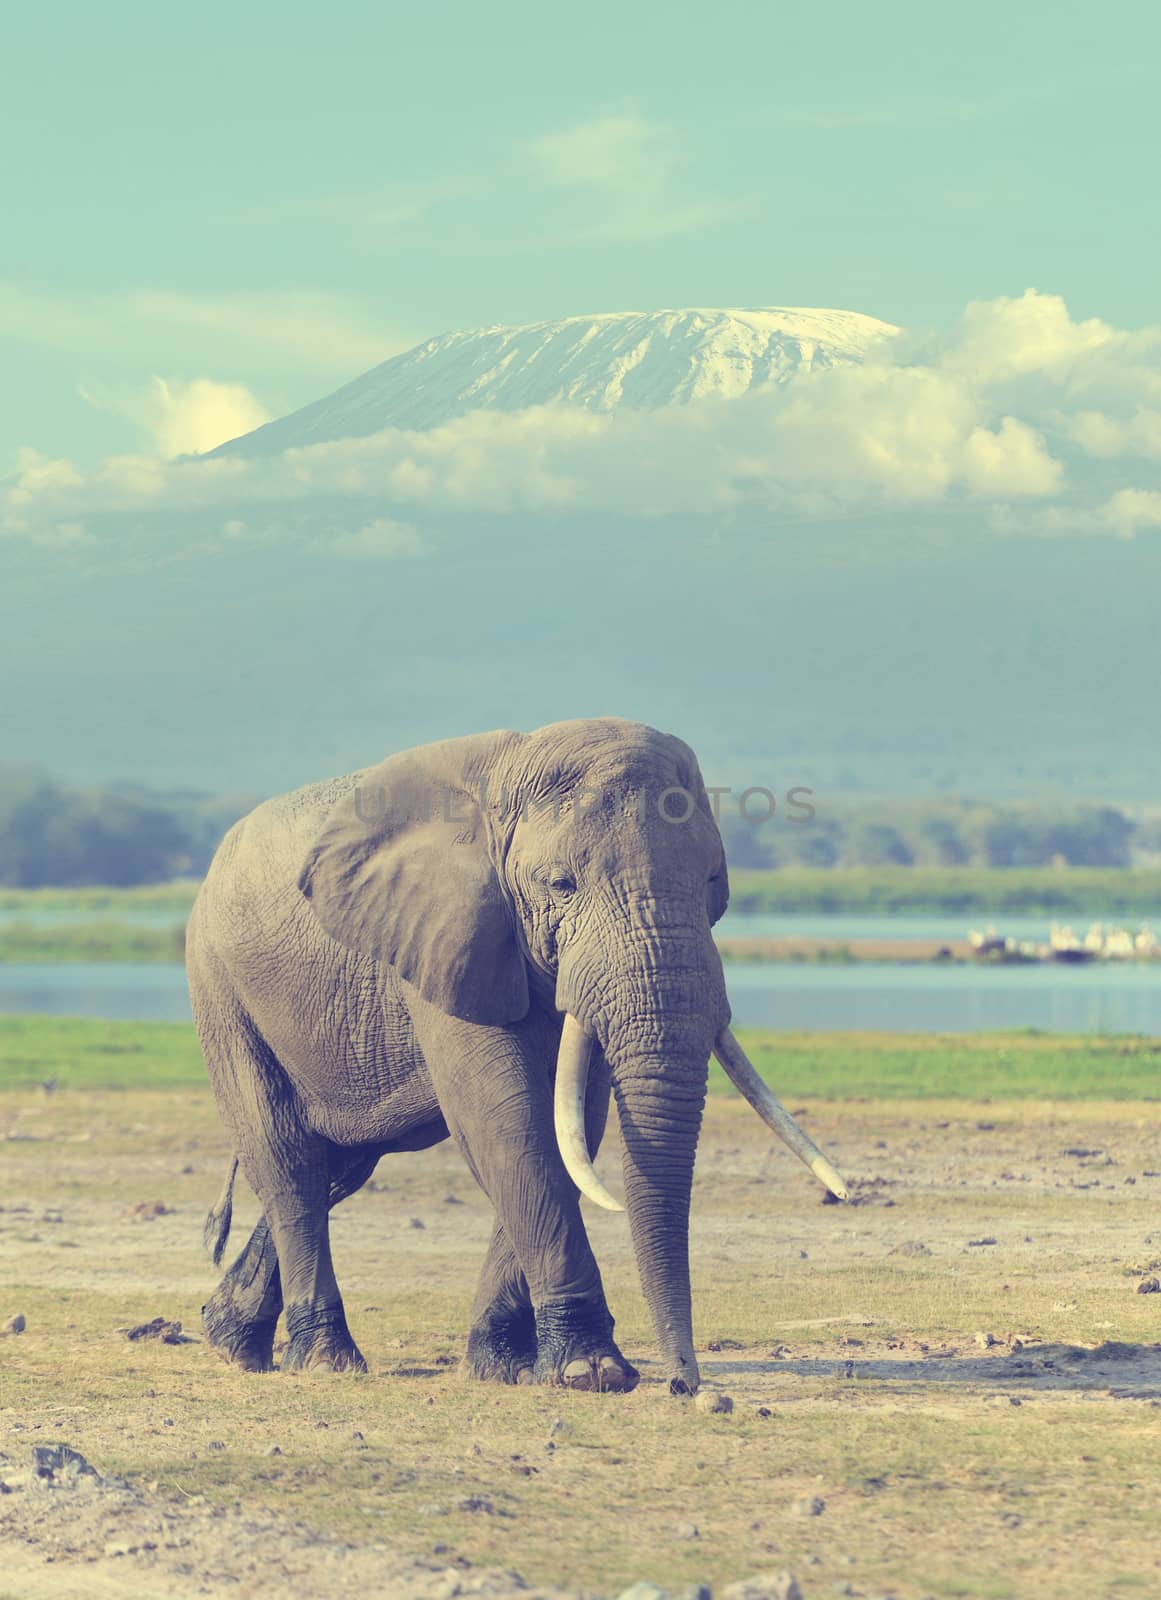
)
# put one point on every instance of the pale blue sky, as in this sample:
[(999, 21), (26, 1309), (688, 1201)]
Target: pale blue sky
[(277, 196)]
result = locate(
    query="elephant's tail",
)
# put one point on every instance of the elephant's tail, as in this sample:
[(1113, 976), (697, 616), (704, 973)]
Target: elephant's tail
[(217, 1225)]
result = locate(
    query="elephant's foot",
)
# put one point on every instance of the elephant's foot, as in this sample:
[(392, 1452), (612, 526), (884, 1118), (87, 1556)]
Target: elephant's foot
[(320, 1341), (245, 1344), (502, 1347), (575, 1348)]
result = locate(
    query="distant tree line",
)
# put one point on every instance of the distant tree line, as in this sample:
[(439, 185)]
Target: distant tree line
[(57, 834), (948, 833), (54, 833)]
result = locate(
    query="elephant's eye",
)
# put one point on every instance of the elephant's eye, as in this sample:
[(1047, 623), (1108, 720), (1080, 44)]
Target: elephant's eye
[(561, 882)]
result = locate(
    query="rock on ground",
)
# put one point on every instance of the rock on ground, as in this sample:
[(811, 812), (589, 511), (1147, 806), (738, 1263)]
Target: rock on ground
[(767, 1586)]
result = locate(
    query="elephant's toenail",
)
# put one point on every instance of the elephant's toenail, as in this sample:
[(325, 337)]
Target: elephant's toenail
[(577, 1369), (525, 1375)]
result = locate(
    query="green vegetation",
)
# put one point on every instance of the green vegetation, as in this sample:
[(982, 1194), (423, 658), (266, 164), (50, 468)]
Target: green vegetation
[(45, 923), (56, 833), (956, 891), (944, 832), (79, 1052), (82, 1054), (90, 941), (175, 896)]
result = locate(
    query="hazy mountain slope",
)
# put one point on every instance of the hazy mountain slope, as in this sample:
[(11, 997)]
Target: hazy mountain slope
[(628, 359)]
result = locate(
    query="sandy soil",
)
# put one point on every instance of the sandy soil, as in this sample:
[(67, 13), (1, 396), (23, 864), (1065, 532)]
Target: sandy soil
[(800, 948), (958, 1367)]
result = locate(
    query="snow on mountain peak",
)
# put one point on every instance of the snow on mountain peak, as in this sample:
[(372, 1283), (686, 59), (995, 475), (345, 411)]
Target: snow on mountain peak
[(622, 360)]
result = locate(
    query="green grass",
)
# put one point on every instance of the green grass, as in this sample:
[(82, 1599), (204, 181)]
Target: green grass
[(80, 1053), (90, 941), (177, 897), (1099, 891), (1024, 1065)]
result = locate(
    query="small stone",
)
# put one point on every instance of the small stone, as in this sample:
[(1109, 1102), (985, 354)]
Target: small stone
[(684, 1530), (356, 1434), (1149, 1286), (1016, 1346), (147, 1210), (986, 1340), (167, 1422), (766, 1586), (812, 1506), (417, 1222), (49, 1460), (274, 1450), (478, 1503), (120, 1547), (168, 1331), (16, 1324), (558, 1428), (644, 1590), (713, 1403)]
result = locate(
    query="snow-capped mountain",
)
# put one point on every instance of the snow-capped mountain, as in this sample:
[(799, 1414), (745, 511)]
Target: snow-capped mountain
[(627, 359)]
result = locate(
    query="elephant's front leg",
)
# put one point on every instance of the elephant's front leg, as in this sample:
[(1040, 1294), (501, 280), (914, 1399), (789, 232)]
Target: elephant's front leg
[(502, 1339), (493, 1088)]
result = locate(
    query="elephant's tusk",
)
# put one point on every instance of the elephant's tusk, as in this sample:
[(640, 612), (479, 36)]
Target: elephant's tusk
[(572, 1071), (744, 1078)]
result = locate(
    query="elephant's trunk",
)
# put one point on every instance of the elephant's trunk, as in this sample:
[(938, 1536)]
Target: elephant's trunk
[(660, 1115), (660, 1102), (657, 1005)]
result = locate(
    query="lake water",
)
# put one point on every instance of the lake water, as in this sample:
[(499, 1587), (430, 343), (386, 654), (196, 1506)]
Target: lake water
[(922, 998)]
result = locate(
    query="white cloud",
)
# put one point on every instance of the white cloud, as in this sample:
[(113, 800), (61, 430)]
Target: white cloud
[(622, 177), (188, 417), (384, 539), (1011, 461), (1006, 338), (1131, 509), (619, 150), (1008, 426), (1107, 437)]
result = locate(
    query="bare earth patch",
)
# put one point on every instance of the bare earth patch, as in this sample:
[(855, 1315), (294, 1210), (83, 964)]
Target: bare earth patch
[(950, 1388)]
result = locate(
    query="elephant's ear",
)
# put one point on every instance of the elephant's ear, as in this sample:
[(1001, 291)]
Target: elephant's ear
[(717, 895), (402, 872)]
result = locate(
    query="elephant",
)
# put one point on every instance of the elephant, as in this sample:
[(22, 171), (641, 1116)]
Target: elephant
[(482, 938)]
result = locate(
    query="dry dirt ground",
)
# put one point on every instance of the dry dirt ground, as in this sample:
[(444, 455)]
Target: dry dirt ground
[(949, 1388)]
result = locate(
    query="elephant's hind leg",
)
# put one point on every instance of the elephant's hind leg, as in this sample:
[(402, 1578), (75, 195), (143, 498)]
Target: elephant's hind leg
[(290, 1168), (241, 1315), (502, 1340)]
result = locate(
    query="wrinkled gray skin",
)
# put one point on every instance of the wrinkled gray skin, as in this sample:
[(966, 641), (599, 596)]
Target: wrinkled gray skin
[(382, 960)]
